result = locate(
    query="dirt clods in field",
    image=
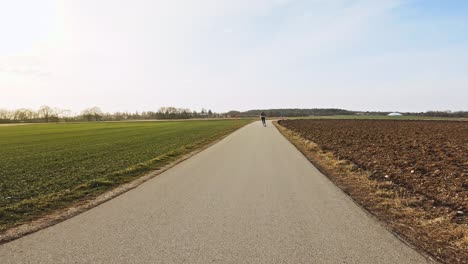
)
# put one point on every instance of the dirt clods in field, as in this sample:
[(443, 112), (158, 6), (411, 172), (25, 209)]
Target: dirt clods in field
[(427, 157)]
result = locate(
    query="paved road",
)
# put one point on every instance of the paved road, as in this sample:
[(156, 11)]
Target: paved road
[(251, 198)]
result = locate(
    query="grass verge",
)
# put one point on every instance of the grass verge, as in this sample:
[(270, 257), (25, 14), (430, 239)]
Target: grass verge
[(402, 212)]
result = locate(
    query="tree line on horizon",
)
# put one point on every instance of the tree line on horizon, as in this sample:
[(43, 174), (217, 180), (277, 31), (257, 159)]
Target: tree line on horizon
[(51, 114)]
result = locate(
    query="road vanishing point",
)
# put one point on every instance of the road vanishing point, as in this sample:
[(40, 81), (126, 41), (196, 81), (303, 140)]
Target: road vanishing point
[(250, 198)]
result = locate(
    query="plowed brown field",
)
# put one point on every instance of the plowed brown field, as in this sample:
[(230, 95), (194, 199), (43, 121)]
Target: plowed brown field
[(426, 157), (412, 175)]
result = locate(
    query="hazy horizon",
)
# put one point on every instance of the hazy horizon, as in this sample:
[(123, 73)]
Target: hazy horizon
[(122, 55)]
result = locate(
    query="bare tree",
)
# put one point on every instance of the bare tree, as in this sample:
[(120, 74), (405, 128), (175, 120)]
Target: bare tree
[(87, 114), (92, 113), (64, 114), (46, 112), (97, 112), (23, 114), (6, 114)]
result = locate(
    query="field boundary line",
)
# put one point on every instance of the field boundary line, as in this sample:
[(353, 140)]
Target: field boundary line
[(82, 206), (299, 143)]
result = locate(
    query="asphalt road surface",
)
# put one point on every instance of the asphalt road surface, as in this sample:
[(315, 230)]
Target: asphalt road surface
[(251, 198)]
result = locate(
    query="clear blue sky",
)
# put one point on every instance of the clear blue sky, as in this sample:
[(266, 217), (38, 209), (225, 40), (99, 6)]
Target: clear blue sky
[(127, 55)]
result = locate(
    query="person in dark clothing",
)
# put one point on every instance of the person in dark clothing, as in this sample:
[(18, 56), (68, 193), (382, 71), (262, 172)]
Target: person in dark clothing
[(263, 116)]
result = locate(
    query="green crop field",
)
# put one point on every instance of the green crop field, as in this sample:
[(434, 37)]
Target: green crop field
[(47, 166)]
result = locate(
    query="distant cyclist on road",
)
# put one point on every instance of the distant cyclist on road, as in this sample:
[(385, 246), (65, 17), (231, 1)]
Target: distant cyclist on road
[(263, 116)]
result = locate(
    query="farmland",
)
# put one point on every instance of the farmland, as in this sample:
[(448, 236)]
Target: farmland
[(382, 117), (427, 157), (48, 166), (411, 174)]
